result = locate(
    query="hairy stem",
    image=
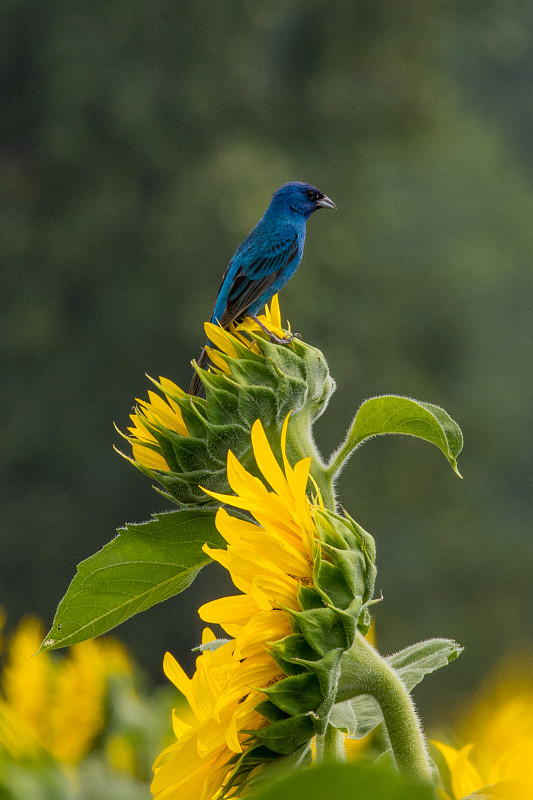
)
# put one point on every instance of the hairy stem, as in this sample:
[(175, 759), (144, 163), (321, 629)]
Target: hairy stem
[(340, 456), (364, 671), (334, 751)]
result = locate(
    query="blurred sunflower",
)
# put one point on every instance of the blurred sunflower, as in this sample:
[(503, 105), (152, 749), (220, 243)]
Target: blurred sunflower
[(499, 759), (55, 706)]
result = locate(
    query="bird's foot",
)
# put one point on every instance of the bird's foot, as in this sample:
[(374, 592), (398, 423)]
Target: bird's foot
[(272, 336)]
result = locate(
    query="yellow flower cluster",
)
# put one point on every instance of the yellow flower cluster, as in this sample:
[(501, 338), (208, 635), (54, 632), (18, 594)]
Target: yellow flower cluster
[(267, 561), (55, 706)]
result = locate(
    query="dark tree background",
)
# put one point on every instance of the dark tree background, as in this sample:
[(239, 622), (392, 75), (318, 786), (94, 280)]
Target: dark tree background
[(139, 144)]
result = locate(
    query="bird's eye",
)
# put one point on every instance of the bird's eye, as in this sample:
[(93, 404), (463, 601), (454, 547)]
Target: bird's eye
[(311, 194)]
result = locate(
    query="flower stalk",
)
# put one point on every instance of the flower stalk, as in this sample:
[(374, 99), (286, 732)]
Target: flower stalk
[(364, 671)]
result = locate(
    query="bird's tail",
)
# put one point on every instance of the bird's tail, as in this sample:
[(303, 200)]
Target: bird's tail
[(196, 383)]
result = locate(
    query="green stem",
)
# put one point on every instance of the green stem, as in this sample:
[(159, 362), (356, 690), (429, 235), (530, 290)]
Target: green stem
[(341, 456), (301, 444), (333, 748), (319, 745), (364, 671), (330, 746)]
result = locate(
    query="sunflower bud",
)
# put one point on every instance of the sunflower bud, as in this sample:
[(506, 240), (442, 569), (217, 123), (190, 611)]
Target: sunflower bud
[(182, 441)]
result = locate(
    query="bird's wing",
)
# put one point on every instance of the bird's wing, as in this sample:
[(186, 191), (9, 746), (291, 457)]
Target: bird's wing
[(256, 275)]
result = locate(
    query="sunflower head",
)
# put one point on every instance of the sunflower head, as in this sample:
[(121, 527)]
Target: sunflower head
[(305, 577), (182, 441)]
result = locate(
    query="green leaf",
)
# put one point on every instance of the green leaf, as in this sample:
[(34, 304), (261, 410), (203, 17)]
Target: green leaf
[(245, 774), (356, 717), (142, 566), (362, 714), (359, 781), (415, 662), (393, 414)]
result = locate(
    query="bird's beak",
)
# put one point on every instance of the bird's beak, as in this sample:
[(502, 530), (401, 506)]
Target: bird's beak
[(325, 202)]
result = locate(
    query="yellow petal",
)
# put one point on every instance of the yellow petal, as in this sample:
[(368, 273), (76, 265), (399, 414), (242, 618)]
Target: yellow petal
[(262, 629), (139, 429), (217, 360), (232, 613), (171, 387), (217, 555), (266, 461), (275, 550), (287, 466), (221, 339), (464, 776), (179, 725), (175, 674), (160, 412), (233, 529), (251, 673), (275, 314), (148, 458), (241, 481)]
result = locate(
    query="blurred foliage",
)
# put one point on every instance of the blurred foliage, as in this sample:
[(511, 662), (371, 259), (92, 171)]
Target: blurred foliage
[(139, 144)]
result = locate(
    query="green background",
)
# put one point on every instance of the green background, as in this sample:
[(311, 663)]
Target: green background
[(140, 142)]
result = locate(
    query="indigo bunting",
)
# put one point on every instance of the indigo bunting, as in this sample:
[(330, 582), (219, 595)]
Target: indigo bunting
[(266, 259)]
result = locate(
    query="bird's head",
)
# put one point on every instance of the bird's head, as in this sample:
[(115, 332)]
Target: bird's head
[(301, 198)]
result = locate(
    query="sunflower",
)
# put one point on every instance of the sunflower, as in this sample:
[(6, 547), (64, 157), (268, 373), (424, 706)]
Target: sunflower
[(157, 422), (268, 560)]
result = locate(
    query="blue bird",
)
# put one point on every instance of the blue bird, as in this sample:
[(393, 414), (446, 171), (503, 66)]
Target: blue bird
[(266, 259)]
